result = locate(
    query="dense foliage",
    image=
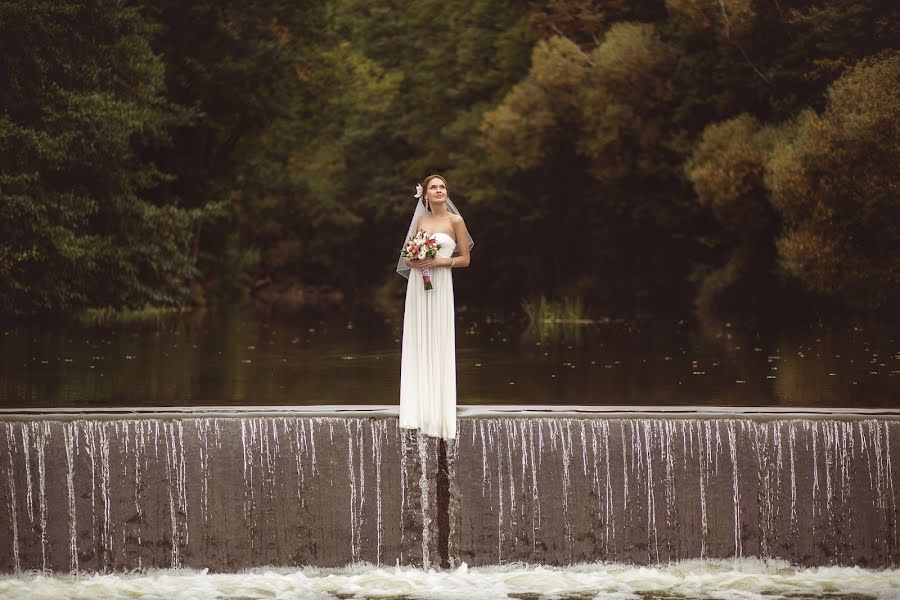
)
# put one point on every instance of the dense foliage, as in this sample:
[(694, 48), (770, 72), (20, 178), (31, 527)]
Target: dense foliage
[(625, 154)]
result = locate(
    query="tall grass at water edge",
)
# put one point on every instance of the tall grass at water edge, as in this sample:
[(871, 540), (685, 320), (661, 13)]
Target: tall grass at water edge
[(555, 319)]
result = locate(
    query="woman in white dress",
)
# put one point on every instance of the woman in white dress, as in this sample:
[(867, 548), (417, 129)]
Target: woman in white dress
[(428, 356)]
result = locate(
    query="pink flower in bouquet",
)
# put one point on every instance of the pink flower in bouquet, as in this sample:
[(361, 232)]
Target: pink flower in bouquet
[(419, 247)]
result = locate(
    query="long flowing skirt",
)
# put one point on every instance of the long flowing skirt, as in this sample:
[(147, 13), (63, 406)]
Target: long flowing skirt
[(428, 359)]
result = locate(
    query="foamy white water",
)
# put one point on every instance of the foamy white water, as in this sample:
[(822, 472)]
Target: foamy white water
[(746, 579)]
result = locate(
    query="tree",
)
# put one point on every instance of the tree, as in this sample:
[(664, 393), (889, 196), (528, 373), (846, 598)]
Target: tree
[(835, 185), (727, 170), (82, 103)]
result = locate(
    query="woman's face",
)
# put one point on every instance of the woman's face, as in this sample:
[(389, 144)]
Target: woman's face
[(436, 191)]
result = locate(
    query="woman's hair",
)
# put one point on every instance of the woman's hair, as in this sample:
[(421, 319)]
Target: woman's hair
[(425, 188)]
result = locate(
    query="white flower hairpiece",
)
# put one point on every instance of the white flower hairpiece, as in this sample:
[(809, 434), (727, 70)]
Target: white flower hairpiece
[(418, 191)]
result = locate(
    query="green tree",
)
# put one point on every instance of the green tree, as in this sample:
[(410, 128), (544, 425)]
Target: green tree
[(82, 104)]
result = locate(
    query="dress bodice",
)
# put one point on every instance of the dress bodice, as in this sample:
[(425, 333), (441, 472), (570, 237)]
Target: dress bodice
[(447, 245)]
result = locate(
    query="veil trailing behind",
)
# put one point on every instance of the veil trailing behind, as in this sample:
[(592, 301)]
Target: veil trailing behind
[(402, 269)]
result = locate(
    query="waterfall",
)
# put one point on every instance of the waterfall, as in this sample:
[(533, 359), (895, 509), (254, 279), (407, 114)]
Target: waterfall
[(99, 493), (658, 490)]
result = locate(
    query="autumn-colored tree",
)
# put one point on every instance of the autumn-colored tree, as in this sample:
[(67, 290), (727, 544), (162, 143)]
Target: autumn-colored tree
[(835, 185), (727, 170)]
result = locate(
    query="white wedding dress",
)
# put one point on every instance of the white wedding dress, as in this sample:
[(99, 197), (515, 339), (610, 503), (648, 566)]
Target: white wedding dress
[(428, 358)]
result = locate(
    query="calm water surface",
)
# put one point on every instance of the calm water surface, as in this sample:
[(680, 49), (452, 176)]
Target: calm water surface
[(304, 357)]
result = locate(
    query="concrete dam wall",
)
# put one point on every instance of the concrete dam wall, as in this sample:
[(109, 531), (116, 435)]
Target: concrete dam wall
[(235, 489)]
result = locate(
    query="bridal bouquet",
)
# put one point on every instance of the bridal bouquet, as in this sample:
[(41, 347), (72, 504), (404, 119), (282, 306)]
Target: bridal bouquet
[(418, 247)]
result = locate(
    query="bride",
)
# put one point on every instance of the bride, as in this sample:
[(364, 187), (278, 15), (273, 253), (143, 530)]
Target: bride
[(428, 356)]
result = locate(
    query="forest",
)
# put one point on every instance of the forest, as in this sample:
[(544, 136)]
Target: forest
[(732, 155)]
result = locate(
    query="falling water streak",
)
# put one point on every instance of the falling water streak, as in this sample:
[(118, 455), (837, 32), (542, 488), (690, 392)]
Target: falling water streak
[(508, 428), (519, 425), (491, 445), (844, 437), (106, 529), (176, 476), (202, 426), (779, 452), (864, 449), (732, 442), (609, 508), (42, 431), (875, 433), (718, 446), (536, 503), (890, 478), (90, 435), (828, 443), (140, 450), (764, 484), (11, 483), (182, 483), (540, 454), (70, 437), (360, 514), (485, 481), (378, 435), (453, 505), (848, 455), (404, 445), (261, 447), (270, 433), (26, 454), (624, 469), (811, 427), (120, 429), (247, 437), (702, 463), (667, 429), (583, 447), (595, 485), (637, 448), (499, 453), (301, 450), (792, 441), (354, 524), (652, 533), (565, 455), (422, 444)]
